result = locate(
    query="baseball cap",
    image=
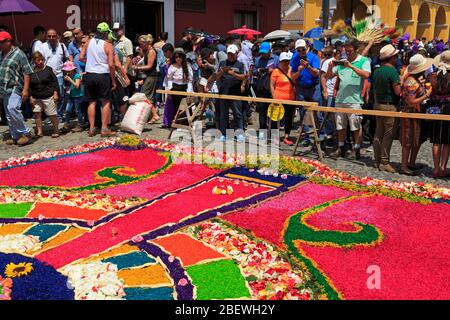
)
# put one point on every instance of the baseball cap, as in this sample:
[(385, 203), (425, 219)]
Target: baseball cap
[(285, 56), (300, 44), (232, 49), (68, 34), (265, 47), (117, 26), (103, 27), (5, 36)]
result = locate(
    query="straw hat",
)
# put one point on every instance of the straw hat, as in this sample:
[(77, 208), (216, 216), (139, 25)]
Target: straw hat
[(419, 63), (388, 52), (442, 61)]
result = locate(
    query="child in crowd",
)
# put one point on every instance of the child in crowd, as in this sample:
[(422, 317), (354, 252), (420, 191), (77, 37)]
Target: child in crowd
[(75, 99)]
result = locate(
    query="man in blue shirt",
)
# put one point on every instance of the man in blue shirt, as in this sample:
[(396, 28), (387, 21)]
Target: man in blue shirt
[(75, 48), (308, 85), (264, 65)]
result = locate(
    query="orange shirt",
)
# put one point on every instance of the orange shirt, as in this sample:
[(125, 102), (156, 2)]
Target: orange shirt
[(283, 87)]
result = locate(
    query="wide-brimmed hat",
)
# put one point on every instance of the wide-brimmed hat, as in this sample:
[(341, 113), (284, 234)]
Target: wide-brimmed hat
[(69, 66), (442, 61), (388, 52), (419, 63)]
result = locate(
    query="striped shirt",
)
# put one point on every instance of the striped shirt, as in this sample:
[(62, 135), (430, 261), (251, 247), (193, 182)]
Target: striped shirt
[(13, 66)]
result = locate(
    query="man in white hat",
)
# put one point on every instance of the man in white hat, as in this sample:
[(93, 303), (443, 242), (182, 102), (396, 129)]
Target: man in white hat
[(308, 83), (387, 90), (229, 79), (124, 45)]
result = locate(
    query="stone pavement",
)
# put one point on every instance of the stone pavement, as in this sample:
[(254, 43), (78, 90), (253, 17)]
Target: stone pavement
[(362, 168)]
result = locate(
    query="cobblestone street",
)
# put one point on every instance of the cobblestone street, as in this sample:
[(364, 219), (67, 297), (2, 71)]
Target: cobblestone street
[(364, 167)]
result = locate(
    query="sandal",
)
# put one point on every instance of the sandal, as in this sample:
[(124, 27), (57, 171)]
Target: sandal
[(55, 135), (92, 132), (108, 133), (154, 120), (408, 173), (416, 167)]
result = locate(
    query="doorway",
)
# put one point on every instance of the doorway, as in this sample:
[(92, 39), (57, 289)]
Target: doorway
[(143, 17)]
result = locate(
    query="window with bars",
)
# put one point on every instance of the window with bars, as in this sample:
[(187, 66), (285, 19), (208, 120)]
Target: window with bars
[(190, 5), (246, 18)]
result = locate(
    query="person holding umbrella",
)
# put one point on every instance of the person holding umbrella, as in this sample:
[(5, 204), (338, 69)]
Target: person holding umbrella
[(15, 71)]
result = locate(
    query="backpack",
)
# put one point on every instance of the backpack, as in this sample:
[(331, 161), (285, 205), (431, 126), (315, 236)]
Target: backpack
[(262, 81), (65, 58), (30, 52)]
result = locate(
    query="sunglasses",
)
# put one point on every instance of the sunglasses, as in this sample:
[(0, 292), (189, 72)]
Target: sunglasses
[(301, 49), (52, 37)]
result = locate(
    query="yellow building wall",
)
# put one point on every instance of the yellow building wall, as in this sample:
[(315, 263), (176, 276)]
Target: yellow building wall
[(288, 27), (388, 11)]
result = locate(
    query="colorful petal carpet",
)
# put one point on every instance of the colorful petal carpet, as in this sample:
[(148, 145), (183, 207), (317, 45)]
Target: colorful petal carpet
[(124, 219)]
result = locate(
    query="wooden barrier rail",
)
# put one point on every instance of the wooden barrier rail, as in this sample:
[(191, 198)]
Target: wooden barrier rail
[(312, 106)]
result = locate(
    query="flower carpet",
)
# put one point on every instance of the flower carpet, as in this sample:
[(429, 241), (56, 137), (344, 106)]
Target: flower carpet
[(127, 220)]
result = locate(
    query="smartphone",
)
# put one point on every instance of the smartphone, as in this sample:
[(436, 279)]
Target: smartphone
[(340, 62)]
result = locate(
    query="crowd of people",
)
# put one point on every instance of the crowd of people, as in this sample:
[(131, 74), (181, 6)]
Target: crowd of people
[(80, 76)]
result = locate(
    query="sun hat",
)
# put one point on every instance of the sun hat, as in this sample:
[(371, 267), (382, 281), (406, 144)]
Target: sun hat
[(5, 36), (265, 47), (300, 44), (442, 61), (419, 63), (232, 48), (285, 56), (388, 52), (69, 66)]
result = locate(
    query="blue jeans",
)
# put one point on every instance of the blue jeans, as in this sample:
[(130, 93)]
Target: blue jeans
[(310, 94), (62, 93), (74, 103), (329, 127), (17, 127), (224, 115)]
